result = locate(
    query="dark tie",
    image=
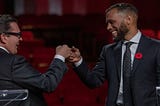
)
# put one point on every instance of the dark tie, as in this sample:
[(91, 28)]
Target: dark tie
[(127, 97)]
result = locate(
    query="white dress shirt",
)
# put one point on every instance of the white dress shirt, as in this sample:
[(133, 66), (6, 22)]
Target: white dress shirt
[(4, 49), (133, 49)]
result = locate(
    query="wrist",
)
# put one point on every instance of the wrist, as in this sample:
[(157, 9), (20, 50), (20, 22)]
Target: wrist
[(60, 57), (78, 62)]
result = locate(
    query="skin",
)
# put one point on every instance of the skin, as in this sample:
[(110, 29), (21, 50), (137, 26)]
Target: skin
[(11, 43), (75, 55), (63, 50), (122, 25)]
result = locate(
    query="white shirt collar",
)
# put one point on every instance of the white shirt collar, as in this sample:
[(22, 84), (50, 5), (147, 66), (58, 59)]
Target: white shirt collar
[(136, 38), (4, 49)]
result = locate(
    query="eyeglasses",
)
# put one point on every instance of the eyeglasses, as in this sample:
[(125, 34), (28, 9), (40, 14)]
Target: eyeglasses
[(17, 34)]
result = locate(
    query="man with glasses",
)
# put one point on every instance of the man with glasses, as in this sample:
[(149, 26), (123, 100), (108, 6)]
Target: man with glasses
[(17, 73), (18, 34)]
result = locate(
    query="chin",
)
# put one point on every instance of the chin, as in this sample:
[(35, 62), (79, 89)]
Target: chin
[(15, 52), (118, 38)]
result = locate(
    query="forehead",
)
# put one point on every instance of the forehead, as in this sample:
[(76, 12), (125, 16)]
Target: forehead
[(114, 14), (14, 27)]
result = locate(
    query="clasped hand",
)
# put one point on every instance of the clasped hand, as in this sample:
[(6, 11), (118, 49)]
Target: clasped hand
[(71, 54)]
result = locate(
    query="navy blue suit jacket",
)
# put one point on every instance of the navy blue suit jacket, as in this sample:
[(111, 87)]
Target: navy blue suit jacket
[(145, 75), (17, 73)]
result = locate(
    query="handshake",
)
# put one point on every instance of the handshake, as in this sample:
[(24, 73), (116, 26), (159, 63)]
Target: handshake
[(70, 54)]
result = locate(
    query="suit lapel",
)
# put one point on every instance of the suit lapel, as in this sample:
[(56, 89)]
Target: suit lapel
[(117, 54), (142, 47)]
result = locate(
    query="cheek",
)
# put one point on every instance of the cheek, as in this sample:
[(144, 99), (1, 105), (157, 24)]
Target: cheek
[(12, 47), (116, 26), (11, 43)]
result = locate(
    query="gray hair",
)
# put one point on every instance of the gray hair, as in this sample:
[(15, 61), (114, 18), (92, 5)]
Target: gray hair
[(5, 21)]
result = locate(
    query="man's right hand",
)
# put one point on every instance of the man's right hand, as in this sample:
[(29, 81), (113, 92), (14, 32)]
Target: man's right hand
[(63, 50), (75, 55)]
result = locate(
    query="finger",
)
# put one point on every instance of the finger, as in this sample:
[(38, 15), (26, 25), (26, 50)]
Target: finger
[(74, 49), (59, 46)]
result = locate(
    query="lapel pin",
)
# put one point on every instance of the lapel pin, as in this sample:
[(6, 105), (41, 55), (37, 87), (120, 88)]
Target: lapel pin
[(138, 55)]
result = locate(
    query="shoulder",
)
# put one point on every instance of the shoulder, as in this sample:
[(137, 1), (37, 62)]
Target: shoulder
[(9, 57), (13, 59), (107, 49), (152, 41), (111, 46)]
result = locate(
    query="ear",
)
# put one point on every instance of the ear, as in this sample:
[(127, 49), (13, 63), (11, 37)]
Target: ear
[(3, 38), (128, 20)]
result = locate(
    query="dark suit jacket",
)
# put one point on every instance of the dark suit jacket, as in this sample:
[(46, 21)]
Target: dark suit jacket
[(145, 75), (17, 73)]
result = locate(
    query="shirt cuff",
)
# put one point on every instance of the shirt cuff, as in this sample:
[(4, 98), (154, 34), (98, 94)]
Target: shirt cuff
[(78, 63), (59, 57)]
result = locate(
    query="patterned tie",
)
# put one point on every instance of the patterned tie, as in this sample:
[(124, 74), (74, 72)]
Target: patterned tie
[(127, 97)]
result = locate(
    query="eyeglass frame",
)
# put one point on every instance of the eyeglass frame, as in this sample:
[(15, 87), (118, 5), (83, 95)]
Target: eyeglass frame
[(17, 34)]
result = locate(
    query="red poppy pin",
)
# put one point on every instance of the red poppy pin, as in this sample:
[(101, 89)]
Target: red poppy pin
[(138, 55)]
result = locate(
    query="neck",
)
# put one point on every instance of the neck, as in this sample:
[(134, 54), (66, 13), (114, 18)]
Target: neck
[(131, 34)]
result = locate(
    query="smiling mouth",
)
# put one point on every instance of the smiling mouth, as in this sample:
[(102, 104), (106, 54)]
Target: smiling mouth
[(17, 45), (114, 32)]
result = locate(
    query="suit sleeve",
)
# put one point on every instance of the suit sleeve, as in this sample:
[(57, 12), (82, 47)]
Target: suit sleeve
[(158, 67), (25, 75), (95, 77)]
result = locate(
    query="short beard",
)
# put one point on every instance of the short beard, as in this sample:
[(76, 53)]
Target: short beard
[(122, 32)]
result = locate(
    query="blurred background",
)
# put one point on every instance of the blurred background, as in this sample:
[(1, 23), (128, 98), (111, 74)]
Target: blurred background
[(46, 24)]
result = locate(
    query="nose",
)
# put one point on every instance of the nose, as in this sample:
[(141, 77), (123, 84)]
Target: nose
[(20, 38), (109, 26)]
